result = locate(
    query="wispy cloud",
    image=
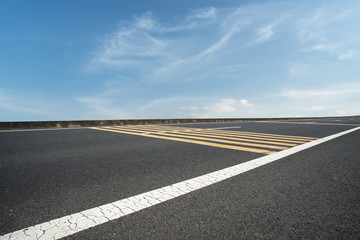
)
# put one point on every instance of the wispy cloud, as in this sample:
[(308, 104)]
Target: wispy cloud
[(146, 22), (3, 96), (224, 39), (317, 30), (342, 99), (101, 108), (334, 91), (202, 13), (302, 71), (346, 55), (266, 32), (227, 107), (321, 47), (213, 45), (13, 104), (314, 26), (340, 50), (143, 45), (129, 47)]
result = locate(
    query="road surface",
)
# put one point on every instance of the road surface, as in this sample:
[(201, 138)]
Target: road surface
[(186, 181)]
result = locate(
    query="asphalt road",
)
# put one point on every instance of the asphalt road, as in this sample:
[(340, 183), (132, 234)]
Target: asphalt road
[(312, 194)]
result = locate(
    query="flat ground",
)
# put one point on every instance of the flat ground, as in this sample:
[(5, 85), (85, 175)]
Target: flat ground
[(312, 194)]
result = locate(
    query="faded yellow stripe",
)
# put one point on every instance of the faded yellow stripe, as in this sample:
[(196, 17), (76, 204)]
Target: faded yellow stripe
[(172, 128), (191, 141), (236, 138), (277, 138), (272, 138), (225, 141), (267, 135), (216, 140), (152, 128)]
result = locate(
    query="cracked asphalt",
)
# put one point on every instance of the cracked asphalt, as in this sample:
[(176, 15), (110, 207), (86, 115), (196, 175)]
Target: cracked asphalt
[(313, 194)]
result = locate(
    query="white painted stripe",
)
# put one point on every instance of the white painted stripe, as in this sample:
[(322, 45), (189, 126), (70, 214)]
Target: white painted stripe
[(71, 224), (225, 127), (189, 123), (42, 129), (54, 129)]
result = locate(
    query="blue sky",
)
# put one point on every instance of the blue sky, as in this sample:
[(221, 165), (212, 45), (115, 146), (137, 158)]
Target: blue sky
[(86, 59)]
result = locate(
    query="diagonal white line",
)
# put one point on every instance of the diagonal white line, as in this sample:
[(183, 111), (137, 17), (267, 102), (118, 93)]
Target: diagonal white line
[(71, 224), (225, 127)]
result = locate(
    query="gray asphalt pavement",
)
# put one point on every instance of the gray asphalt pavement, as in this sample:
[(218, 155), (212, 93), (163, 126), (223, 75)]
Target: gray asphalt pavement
[(313, 194)]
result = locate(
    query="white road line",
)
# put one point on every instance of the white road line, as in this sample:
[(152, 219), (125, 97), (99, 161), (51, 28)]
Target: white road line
[(71, 224), (42, 129), (189, 123), (225, 127)]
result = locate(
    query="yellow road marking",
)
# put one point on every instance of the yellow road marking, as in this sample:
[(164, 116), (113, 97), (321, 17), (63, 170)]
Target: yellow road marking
[(260, 137), (238, 138), (223, 141), (190, 141), (153, 128), (266, 135), (214, 137), (283, 139), (217, 132), (310, 123), (214, 140), (248, 135)]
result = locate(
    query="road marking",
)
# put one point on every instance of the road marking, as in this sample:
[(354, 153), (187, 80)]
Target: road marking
[(156, 128), (42, 129), (337, 124), (209, 136), (226, 127), (170, 129), (264, 135), (189, 135), (239, 138), (192, 141), (74, 223), (176, 133), (234, 133), (152, 128)]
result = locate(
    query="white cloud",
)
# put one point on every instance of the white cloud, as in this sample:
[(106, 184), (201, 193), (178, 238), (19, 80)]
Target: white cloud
[(308, 26), (224, 39), (101, 108), (245, 102), (20, 108), (16, 106), (299, 70), (213, 45), (266, 32), (346, 55), (3, 95), (129, 47), (155, 51), (317, 108), (145, 22), (227, 107), (314, 27), (341, 90), (203, 13), (321, 31), (342, 99), (322, 47), (338, 50)]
